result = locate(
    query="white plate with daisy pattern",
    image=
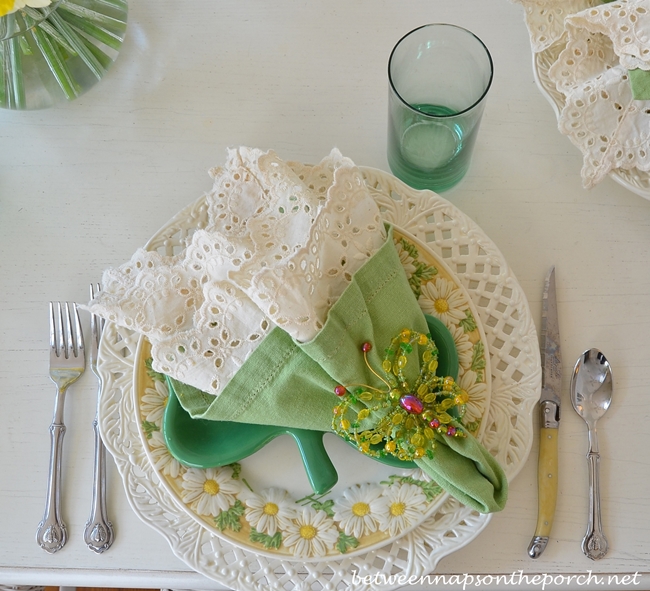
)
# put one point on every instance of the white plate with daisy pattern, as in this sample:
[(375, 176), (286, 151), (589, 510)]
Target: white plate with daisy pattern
[(262, 509), (272, 510)]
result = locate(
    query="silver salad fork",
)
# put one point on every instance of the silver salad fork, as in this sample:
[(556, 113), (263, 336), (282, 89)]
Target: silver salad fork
[(67, 363), (99, 533)]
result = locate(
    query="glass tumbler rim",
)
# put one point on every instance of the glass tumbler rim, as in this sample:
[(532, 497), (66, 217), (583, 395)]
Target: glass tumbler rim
[(424, 113)]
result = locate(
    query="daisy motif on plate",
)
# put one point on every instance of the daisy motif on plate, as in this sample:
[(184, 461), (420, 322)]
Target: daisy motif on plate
[(356, 509), (408, 262), (311, 533), (154, 401), (442, 299), (464, 346), (402, 507), (270, 511), (162, 460), (211, 491), (476, 393)]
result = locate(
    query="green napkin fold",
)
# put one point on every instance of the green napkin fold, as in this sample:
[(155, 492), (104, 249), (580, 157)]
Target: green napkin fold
[(286, 383), (467, 471)]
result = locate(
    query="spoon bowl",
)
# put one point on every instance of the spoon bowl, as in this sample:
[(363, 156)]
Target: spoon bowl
[(591, 395), (591, 386)]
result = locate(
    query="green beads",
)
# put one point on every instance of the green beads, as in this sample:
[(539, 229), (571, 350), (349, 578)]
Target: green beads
[(407, 416)]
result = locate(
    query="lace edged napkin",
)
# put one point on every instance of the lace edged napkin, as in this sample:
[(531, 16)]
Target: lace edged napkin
[(601, 72), (275, 252), (269, 313), (545, 19)]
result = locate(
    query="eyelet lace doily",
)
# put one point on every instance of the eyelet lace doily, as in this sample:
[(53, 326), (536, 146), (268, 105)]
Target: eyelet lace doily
[(545, 19), (274, 249), (508, 433), (582, 52)]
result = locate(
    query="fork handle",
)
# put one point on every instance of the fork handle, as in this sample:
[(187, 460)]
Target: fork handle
[(99, 534), (51, 534)]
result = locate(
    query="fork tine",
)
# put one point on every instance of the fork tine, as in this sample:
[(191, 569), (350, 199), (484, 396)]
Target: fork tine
[(101, 319), (52, 328), (96, 322), (93, 319), (60, 343), (95, 289), (70, 346), (79, 336)]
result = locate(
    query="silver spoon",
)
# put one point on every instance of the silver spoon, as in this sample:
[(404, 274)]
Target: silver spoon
[(591, 395)]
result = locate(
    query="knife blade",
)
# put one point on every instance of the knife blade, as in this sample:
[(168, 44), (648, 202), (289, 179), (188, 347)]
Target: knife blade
[(549, 407)]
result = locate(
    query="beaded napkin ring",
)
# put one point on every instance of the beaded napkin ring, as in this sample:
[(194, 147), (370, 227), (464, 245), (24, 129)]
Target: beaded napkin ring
[(404, 417)]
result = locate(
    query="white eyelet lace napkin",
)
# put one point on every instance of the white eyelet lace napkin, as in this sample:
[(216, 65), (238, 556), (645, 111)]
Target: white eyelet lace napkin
[(545, 19), (275, 251), (603, 42)]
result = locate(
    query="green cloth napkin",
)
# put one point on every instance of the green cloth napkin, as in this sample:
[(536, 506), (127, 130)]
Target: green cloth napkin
[(286, 383), (640, 84)]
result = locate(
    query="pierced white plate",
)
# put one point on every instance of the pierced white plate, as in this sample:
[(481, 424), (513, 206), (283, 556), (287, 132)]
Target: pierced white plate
[(634, 180), (278, 466), (507, 432)]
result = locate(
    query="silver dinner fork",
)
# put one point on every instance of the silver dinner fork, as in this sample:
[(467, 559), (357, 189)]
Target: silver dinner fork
[(98, 534), (67, 363)]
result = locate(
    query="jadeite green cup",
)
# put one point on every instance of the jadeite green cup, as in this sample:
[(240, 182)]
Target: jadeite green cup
[(439, 76)]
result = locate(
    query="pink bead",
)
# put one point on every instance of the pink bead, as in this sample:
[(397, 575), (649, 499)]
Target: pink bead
[(451, 431), (340, 390), (434, 424), (411, 404), (366, 347)]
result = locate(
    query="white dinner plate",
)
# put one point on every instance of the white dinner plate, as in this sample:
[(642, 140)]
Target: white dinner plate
[(505, 330)]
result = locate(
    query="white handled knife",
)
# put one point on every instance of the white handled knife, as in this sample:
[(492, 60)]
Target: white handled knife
[(549, 405)]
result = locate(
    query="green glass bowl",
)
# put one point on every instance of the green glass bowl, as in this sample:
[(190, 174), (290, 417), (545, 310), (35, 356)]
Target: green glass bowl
[(201, 443)]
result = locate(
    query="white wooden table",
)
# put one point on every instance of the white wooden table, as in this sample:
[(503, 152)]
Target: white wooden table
[(84, 184)]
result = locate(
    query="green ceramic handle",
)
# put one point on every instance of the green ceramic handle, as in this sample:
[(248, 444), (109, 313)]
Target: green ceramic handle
[(318, 466), (204, 444)]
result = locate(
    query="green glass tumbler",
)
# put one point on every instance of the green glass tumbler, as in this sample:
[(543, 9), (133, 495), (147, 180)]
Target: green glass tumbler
[(439, 76)]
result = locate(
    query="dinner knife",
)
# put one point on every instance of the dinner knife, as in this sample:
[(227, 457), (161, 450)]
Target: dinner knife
[(549, 406)]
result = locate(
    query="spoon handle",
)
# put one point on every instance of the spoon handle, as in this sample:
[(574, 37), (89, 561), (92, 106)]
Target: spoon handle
[(594, 544)]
